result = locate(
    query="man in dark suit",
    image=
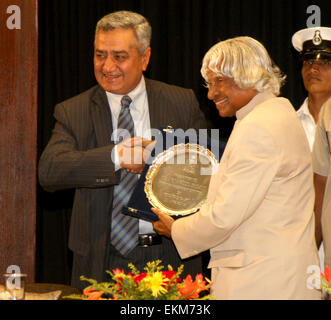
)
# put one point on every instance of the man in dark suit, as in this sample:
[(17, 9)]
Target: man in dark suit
[(83, 152)]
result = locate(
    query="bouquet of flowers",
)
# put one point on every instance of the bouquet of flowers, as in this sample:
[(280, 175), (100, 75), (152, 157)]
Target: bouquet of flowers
[(153, 284), (326, 280)]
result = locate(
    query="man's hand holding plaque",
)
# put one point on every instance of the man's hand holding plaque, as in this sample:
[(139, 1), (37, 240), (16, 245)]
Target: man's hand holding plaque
[(133, 153), (163, 226)]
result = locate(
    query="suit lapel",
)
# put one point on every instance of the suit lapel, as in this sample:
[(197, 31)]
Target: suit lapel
[(101, 117)]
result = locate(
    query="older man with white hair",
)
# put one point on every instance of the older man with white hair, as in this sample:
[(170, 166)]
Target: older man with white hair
[(258, 219)]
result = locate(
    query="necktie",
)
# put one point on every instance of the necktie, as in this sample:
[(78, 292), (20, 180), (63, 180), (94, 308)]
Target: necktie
[(124, 231)]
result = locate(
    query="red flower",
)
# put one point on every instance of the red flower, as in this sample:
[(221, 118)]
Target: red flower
[(327, 274), (169, 274), (139, 277)]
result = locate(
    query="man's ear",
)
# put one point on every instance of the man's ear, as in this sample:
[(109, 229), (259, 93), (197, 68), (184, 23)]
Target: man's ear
[(146, 57)]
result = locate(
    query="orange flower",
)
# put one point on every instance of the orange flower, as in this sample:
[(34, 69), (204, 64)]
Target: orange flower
[(96, 295), (92, 294), (192, 289), (200, 282), (86, 292), (118, 272)]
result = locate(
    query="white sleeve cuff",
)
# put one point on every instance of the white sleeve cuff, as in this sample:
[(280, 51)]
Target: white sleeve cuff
[(115, 159)]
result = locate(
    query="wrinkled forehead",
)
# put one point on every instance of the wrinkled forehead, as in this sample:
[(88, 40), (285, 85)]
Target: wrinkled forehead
[(211, 75)]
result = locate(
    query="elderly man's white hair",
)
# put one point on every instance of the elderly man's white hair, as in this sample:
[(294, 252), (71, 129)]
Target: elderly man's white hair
[(246, 61), (128, 20)]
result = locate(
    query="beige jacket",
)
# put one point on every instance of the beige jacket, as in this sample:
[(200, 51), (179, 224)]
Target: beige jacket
[(321, 165), (258, 219)]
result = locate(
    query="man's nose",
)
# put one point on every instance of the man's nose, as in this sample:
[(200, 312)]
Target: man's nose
[(315, 66), (109, 64), (211, 92)]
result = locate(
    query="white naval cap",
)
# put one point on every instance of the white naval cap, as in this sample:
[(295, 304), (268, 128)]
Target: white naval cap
[(313, 43)]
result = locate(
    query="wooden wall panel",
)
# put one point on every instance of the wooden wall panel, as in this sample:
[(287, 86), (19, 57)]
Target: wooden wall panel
[(18, 136)]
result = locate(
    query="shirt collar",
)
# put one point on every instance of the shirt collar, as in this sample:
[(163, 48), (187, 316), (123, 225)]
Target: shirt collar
[(115, 99), (259, 98), (304, 110)]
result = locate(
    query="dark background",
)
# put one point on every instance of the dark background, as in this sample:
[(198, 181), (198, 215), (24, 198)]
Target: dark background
[(183, 30)]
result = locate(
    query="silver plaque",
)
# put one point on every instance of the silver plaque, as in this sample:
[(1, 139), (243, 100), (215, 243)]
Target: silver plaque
[(178, 179)]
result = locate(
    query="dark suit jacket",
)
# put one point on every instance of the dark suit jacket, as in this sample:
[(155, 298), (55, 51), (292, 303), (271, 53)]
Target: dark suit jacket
[(78, 156)]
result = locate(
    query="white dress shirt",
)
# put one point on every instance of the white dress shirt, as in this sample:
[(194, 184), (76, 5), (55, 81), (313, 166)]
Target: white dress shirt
[(307, 122), (309, 125), (140, 114)]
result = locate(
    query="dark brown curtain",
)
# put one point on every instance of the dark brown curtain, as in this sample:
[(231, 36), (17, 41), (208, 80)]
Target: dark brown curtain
[(183, 30)]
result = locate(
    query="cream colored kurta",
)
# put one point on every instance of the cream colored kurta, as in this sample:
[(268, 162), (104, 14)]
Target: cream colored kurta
[(321, 164), (258, 219)]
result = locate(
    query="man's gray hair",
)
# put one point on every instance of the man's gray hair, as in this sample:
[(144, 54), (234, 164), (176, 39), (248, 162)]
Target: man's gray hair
[(128, 20), (246, 61)]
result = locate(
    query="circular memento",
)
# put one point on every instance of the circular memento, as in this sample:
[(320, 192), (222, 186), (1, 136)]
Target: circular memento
[(178, 179)]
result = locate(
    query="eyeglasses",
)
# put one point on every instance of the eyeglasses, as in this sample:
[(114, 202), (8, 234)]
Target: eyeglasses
[(320, 63)]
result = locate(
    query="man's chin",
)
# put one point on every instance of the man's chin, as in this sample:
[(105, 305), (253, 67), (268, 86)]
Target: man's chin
[(224, 113), (112, 89)]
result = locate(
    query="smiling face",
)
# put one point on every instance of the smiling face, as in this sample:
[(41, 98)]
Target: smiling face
[(316, 76), (118, 66), (227, 96)]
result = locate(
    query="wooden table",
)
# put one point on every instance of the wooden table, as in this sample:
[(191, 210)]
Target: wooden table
[(51, 287)]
